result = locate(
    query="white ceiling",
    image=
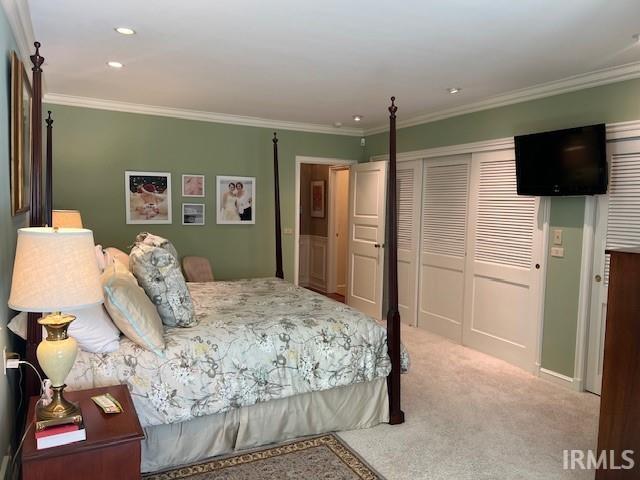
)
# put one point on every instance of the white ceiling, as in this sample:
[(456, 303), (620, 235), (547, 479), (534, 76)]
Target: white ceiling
[(323, 61)]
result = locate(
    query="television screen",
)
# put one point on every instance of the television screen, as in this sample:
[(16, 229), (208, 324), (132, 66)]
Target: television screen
[(563, 162)]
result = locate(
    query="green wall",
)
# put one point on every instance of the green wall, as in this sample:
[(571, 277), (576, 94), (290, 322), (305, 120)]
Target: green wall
[(8, 226), (93, 148), (610, 103)]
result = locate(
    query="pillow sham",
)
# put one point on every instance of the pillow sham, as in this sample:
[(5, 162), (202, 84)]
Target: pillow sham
[(116, 254), (93, 329), (158, 273), (131, 310), (157, 241)]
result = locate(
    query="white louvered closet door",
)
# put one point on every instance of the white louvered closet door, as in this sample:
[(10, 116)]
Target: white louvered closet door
[(445, 202), (617, 225), (502, 283), (409, 183)]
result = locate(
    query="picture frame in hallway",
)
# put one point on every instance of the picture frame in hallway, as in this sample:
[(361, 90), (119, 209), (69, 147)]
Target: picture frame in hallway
[(193, 214), (318, 199), (192, 185), (235, 200), (20, 165), (147, 197)]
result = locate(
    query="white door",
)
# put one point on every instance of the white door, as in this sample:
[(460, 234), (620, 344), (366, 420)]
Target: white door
[(341, 228), (443, 246), (501, 307), (617, 225), (367, 196), (409, 188)]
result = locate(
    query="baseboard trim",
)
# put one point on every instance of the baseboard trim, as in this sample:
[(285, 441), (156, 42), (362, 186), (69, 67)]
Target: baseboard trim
[(560, 379)]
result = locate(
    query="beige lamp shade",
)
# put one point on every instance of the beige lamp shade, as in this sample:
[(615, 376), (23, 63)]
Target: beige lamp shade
[(55, 270), (66, 219)]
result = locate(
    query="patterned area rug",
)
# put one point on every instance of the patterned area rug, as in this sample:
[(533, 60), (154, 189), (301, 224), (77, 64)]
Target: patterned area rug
[(325, 457)]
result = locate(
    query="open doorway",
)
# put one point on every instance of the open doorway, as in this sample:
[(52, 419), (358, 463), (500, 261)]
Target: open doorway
[(322, 201)]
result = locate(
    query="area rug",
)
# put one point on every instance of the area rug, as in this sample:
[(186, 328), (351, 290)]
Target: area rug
[(324, 457)]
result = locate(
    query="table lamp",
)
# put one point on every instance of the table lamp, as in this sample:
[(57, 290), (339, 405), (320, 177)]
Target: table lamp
[(66, 219), (55, 270)]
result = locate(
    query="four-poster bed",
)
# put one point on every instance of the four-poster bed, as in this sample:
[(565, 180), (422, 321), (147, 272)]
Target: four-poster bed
[(367, 387)]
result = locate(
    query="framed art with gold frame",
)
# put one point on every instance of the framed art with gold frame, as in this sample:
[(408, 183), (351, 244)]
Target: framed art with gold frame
[(21, 98)]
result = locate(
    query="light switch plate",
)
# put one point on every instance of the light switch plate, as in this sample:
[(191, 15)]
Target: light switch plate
[(557, 252), (557, 237)]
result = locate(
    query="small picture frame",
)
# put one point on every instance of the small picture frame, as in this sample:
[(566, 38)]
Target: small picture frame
[(235, 200), (192, 185), (193, 214), (147, 197), (317, 198)]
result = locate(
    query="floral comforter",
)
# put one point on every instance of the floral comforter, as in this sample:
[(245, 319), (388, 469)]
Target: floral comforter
[(256, 340)]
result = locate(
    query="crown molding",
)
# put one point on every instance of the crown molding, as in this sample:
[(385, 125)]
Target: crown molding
[(96, 103), (604, 76), (19, 17)]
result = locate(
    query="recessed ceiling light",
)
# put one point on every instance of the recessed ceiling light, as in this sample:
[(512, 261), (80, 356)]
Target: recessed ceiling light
[(125, 30), (636, 37), (357, 118), (113, 64), (454, 90)]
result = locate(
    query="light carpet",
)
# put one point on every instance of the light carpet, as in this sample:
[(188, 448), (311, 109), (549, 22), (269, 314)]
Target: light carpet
[(471, 416)]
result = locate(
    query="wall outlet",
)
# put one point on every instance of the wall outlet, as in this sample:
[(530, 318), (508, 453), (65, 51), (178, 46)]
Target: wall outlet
[(557, 237)]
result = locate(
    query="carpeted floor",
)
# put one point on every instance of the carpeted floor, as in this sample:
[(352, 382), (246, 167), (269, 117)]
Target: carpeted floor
[(470, 416)]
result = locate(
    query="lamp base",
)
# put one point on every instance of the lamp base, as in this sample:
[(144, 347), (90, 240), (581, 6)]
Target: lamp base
[(59, 412)]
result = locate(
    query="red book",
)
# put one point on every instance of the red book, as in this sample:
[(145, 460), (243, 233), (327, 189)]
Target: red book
[(60, 435)]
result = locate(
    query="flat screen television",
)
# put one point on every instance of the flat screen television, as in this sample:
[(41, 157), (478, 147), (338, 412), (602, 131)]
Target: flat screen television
[(562, 162)]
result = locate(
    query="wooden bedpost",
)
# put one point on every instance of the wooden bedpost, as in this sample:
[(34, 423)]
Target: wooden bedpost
[(36, 215), (276, 189), (48, 209), (396, 415)]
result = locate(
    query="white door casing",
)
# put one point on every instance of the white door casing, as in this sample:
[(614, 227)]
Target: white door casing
[(367, 197), (409, 188), (503, 281), (338, 231), (617, 225), (443, 245)]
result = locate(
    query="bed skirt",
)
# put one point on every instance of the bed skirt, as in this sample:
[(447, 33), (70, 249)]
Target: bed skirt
[(352, 407)]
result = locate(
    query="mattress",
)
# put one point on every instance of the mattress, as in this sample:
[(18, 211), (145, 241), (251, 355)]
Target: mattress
[(256, 340)]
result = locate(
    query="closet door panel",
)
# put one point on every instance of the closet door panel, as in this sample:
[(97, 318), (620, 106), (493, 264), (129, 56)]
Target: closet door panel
[(443, 245)]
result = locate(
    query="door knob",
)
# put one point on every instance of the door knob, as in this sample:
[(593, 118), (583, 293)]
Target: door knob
[(537, 266), (377, 245), (598, 278)]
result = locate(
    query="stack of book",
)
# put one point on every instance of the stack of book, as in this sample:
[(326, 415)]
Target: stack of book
[(60, 435)]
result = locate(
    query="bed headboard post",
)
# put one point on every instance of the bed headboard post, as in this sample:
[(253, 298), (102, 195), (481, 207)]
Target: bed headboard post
[(276, 189), (396, 415), (36, 215), (48, 209)]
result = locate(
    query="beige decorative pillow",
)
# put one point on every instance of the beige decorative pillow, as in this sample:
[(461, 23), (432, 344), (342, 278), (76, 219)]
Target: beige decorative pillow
[(116, 254), (131, 310)]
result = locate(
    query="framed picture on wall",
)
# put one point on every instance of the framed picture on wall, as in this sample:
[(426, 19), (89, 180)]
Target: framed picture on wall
[(192, 185), (236, 200), (147, 197), (193, 213), (20, 137), (317, 198)]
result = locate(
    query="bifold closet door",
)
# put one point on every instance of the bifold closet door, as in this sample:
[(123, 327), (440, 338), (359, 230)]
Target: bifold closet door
[(409, 187), (617, 225), (502, 288), (445, 200)]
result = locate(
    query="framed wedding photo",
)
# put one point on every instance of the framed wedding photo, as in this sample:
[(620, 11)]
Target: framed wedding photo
[(235, 200), (192, 185), (147, 197), (193, 214), (317, 198)]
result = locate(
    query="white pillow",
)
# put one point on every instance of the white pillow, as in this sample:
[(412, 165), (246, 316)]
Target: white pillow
[(93, 329)]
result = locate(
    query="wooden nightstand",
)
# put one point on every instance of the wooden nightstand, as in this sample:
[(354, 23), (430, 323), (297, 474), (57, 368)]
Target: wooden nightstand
[(111, 450)]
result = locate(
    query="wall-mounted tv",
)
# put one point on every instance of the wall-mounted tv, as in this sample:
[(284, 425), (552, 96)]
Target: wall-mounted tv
[(562, 162)]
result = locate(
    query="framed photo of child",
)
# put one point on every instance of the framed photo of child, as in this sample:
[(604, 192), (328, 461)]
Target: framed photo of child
[(236, 200), (147, 197)]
